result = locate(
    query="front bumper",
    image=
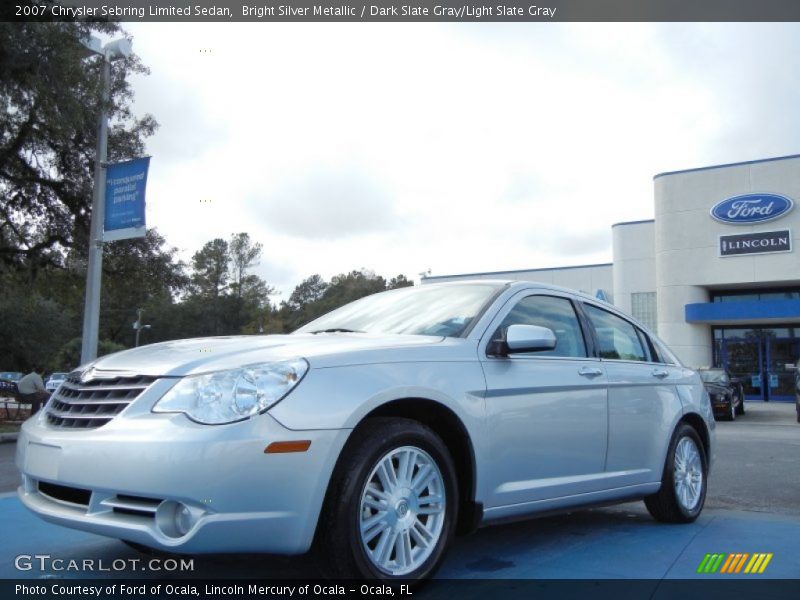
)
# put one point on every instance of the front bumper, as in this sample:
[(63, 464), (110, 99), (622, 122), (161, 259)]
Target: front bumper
[(129, 476)]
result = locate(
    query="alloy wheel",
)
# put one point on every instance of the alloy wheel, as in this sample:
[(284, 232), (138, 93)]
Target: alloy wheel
[(402, 510), (688, 473)]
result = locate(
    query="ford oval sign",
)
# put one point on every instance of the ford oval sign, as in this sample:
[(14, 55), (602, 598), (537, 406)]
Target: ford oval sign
[(751, 208)]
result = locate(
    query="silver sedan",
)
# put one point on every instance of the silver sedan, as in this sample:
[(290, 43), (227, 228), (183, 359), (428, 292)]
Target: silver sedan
[(375, 433)]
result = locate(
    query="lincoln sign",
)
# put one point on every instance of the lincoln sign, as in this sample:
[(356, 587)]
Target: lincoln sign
[(755, 243)]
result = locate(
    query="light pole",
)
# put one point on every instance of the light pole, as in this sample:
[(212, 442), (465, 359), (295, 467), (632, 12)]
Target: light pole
[(91, 311), (138, 325)]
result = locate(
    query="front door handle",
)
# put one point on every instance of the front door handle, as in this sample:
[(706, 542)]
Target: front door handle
[(590, 372), (660, 373)]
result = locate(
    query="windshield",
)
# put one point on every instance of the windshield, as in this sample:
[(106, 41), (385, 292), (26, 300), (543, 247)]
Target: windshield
[(445, 310), (714, 376), (56, 376)]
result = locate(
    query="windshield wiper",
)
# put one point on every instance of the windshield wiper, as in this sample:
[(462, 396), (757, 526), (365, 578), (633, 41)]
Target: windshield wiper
[(337, 330)]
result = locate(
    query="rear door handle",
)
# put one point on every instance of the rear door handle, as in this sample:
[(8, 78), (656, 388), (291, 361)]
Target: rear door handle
[(660, 373), (590, 372)]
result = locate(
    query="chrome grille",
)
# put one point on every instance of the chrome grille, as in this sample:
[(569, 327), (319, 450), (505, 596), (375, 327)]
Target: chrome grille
[(91, 404)]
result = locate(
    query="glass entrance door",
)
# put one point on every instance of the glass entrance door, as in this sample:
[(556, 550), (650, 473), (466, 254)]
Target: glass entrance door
[(781, 352), (761, 361), (744, 360)]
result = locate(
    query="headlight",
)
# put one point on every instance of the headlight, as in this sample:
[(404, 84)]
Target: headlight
[(228, 396)]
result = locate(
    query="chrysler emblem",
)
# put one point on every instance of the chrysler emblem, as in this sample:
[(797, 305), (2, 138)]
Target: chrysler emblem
[(87, 375)]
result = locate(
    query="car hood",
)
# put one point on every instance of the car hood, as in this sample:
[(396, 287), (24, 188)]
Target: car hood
[(200, 355), (715, 388)]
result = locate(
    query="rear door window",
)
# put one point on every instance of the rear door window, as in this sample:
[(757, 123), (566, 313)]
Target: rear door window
[(617, 338)]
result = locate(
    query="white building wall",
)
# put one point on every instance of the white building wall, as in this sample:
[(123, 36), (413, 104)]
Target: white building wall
[(687, 258), (634, 261)]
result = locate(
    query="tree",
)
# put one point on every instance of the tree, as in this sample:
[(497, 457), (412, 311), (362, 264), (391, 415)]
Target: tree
[(31, 329), (308, 291), (250, 294), (226, 298), (243, 255), (209, 283), (69, 355), (137, 273), (399, 281), (304, 304), (314, 297), (351, 286), (210, 269), (50, 97)]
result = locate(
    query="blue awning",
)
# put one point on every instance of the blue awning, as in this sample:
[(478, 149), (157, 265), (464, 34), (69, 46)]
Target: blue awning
[(758, 311)]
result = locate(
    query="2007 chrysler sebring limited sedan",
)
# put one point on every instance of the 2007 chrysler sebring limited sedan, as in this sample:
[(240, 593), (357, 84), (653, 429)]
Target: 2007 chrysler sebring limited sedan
[(376, 432)]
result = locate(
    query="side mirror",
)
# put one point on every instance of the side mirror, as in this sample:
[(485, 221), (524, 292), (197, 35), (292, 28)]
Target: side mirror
[(529, 338)]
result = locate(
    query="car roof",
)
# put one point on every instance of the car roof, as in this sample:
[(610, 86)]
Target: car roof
[(515, 284)]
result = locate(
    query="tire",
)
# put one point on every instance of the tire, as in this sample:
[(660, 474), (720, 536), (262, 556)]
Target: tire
[(740, 408), (675, 502), (732, 412), (409, 541)]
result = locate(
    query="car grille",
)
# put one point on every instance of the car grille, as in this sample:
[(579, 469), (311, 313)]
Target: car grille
[(124, 505), (63, 493), (92, 404)]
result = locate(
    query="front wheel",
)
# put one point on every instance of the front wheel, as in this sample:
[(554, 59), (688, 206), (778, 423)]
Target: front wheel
[(391, 508), (683, 484), (732, 409)]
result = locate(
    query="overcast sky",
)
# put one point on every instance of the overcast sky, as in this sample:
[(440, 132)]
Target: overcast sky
[(452, 147)]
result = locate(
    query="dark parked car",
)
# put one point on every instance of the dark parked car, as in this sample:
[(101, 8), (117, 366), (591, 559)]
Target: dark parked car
[(726, 393), (8, 383), (797, 390)]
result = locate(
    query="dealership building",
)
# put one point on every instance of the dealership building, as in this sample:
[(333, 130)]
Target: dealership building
[(715, 274)]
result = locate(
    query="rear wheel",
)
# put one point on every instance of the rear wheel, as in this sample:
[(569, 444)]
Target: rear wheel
[(683, 484), (740, 406), (391, 508), (732, 409)]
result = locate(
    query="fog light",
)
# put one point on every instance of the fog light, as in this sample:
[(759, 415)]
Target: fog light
[(175, 519), (183, 519)]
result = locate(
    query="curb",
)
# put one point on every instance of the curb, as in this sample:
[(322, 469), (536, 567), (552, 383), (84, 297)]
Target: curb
[(8, 437)]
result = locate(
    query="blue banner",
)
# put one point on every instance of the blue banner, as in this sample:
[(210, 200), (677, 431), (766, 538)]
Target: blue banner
[(125, 192)]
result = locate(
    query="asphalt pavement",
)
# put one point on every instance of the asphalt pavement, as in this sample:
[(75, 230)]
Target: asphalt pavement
[(753, 506)]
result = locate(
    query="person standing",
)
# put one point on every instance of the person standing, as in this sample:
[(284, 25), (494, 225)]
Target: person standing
[(32, 391)]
